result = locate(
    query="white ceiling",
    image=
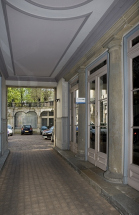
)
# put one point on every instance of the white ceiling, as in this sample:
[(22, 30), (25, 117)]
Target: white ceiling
[(40, 38)]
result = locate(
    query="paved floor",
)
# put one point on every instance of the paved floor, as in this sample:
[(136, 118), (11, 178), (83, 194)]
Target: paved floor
[(37, 181)]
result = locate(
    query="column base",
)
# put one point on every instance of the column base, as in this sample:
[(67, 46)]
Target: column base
[(80, 155), (113, 177)]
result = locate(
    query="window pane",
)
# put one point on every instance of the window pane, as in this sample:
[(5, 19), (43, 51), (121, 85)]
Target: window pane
[(92, 136), (103, 112), (44, 122), (135, 41), (136, 108), (44, 113), (92, 113), (77, 93), (92, 90), (72, 116), (135, 67), (51, 113), (103, 86), (76, 114), (103, 139), (77, 134), (98, 67), (51, 122), (136, 146), (76, 96)]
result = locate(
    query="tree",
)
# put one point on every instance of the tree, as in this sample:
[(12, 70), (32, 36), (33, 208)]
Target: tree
[(15, 94), (19, 95)]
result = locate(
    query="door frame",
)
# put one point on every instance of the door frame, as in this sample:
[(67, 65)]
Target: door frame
[(73, 90), (97, 158), (131, 171)]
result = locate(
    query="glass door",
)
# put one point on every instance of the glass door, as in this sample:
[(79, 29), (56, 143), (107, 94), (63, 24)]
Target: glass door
[(133, 110), (76, 115), (97, 128), (133, 174), (74, 93)]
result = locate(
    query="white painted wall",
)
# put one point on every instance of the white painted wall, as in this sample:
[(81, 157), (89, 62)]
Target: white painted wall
[(3, 136), (62, 141), (4, 99), (62, 94)]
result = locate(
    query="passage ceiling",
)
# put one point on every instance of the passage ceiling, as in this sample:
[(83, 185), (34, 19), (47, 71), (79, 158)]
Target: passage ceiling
[(39, 39)]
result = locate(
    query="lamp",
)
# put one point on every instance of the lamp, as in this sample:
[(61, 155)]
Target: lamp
[(57, 100)]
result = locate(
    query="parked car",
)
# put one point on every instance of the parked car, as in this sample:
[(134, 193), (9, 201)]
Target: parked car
[(42, 129), (26, 129), (10, 130), (48, 133)]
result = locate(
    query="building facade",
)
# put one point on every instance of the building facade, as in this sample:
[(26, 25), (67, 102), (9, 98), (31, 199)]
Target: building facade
[(35, 114), (104, 130)]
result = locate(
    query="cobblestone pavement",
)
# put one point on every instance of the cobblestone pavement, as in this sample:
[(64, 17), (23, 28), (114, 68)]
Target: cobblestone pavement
[(37, 181)]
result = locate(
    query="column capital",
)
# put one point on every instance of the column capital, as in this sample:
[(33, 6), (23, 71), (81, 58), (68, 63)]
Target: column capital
[(81, 69), (113, 43)]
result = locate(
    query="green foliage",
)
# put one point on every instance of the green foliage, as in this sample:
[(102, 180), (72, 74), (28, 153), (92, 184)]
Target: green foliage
[(19, 95)]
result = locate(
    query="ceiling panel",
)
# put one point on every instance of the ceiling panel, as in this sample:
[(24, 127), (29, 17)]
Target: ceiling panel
[(59, 4), (39, 44)]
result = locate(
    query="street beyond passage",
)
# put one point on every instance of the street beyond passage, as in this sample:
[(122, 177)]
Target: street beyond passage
[(37, 181)]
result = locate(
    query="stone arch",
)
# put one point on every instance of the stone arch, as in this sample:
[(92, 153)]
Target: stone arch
[(44, 113), (25, 118)]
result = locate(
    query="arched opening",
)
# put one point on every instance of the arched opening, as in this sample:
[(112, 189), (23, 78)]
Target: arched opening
[(22, 118)]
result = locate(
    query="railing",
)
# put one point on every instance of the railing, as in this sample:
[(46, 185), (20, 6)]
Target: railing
[(31, 104)]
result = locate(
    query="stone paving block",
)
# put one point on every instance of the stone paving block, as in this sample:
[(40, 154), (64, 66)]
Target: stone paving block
[(37, 181)]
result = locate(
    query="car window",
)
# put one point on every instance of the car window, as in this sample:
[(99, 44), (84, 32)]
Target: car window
[(43, 127), (27, 126)]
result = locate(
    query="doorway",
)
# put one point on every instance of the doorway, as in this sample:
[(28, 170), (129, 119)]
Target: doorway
[(133, 110), (97, 119)]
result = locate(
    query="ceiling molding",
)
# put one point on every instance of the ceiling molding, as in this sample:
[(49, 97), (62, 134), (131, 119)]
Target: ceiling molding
[(58, 8), (8, 33), (20, 83), (3, 67), (41, 17), (86, 18), (27, 78)]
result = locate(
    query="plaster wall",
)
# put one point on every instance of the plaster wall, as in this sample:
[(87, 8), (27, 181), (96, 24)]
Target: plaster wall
[(62, 94), (62, 115), (4, 139)]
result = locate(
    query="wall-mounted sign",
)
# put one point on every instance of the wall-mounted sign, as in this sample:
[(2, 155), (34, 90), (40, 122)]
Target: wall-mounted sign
[(80, 100)]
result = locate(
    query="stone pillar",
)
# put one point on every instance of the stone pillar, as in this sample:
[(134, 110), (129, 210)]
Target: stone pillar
[(116, 114), (81, 116), (39, 121)]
